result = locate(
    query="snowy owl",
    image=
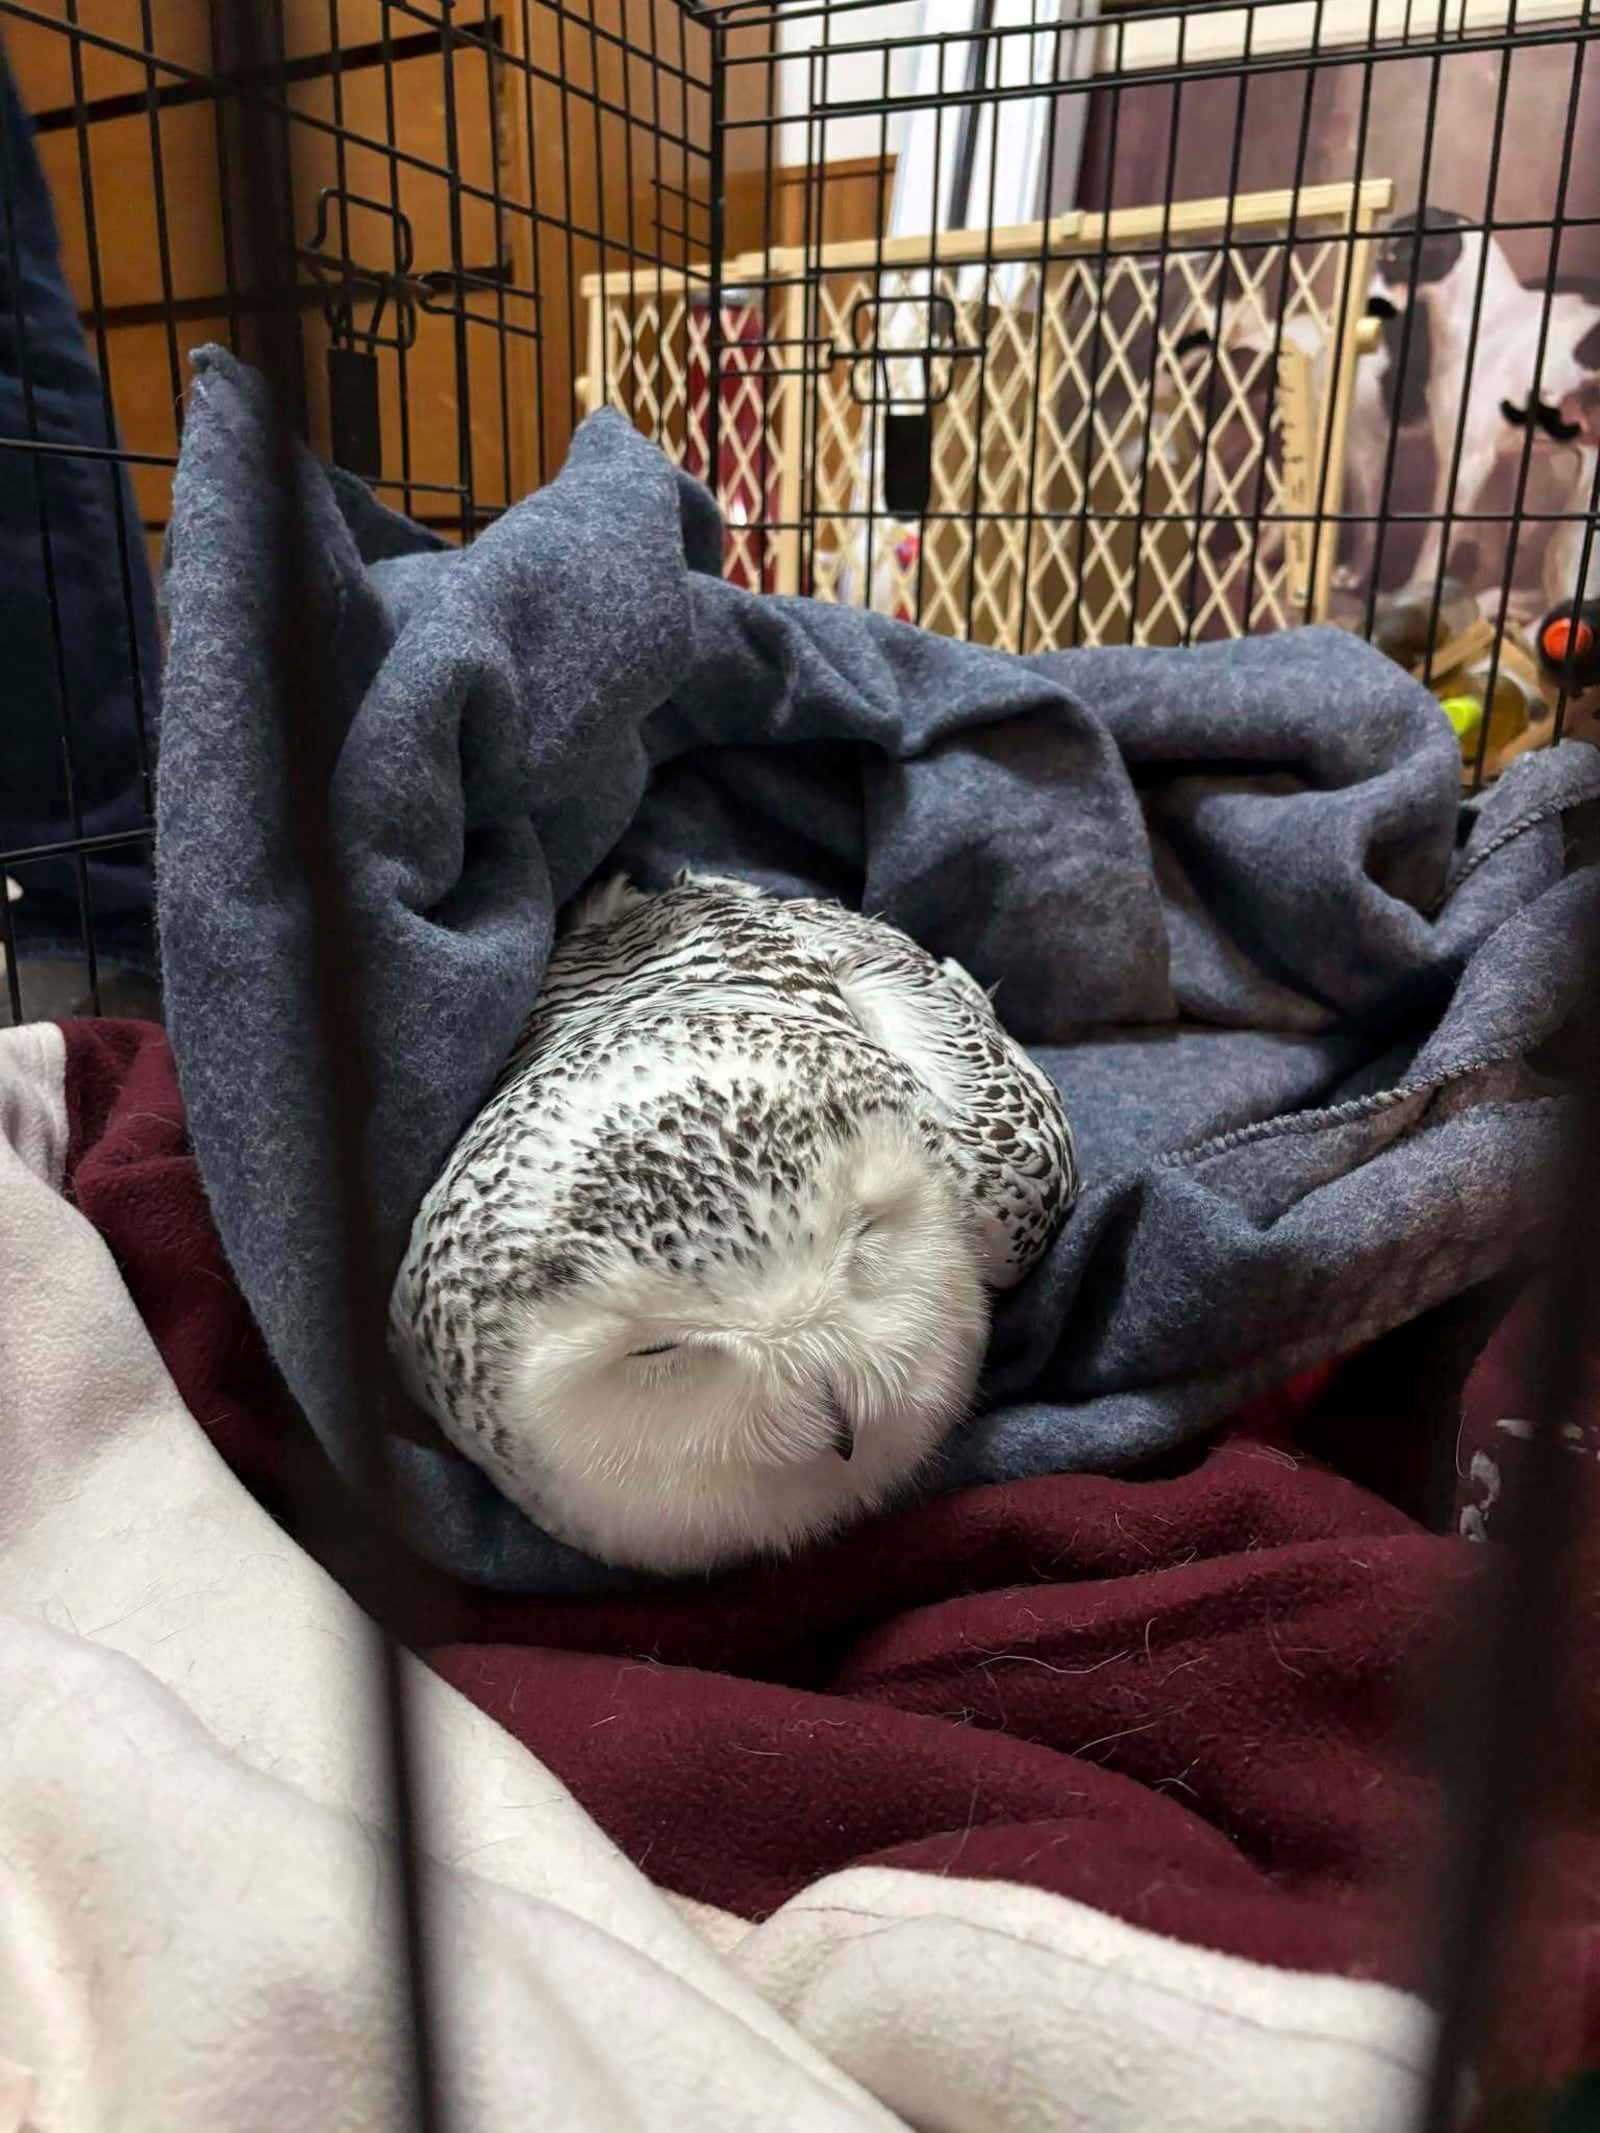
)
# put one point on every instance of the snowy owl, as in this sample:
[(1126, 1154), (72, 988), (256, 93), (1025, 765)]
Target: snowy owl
[(706, 1276)]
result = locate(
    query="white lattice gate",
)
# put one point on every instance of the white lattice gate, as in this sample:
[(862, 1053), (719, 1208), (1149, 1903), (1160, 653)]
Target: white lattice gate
[(1135, 424)]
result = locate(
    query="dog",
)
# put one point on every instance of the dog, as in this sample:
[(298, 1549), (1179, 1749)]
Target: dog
[(1454, 359), (1407, 398)]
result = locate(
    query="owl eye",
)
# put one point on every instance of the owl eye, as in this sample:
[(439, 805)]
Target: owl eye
[(662, 1348)]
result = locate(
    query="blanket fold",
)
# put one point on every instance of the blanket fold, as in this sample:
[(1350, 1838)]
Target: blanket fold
[(1259, 844)]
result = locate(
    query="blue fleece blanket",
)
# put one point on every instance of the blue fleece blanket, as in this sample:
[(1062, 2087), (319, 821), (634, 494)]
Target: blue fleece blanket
[(1288, 986)]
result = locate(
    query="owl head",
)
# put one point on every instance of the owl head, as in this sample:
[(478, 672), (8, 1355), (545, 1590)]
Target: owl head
[(760, 1314)]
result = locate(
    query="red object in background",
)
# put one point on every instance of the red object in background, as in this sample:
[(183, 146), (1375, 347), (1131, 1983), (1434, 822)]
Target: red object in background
[(907, 551), (1558, 637), (746, 484), (1572, 628)]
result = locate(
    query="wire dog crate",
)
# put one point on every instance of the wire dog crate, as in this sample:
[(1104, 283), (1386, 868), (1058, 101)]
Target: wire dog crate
[(1132, 325), (1162, 377), (1036, 327)]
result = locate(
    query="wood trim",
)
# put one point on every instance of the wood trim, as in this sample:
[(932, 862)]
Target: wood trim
[(1132, 41), (1356, 273), (1064, 234), (1299, 447)]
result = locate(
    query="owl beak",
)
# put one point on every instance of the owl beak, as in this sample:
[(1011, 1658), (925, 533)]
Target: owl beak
[(844, 1430)]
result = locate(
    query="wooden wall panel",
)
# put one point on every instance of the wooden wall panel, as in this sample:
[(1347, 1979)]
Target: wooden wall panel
[(122, 188), (179, 41), (41, 58), (610, 158), (592, 149), (855, 197), (147, 409)]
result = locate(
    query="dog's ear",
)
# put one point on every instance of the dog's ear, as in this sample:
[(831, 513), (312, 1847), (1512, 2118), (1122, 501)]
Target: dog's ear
[(1406, 263)]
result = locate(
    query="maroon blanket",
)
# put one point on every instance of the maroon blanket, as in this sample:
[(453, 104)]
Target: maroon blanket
[(1190, 1699)]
